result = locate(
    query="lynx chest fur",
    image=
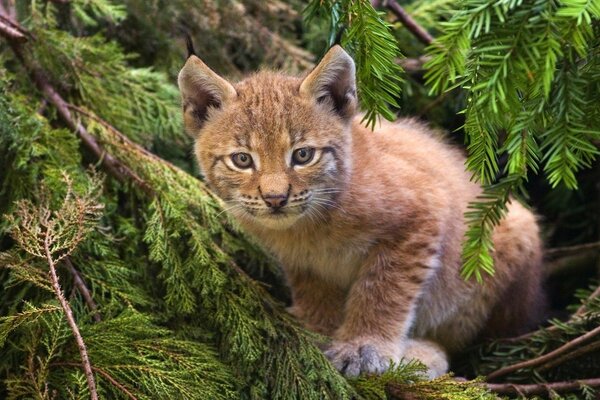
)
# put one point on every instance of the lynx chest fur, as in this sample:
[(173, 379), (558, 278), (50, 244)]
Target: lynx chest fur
[(367, 225)]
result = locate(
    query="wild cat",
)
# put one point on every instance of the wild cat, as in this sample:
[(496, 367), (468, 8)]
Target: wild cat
[(367, 225)]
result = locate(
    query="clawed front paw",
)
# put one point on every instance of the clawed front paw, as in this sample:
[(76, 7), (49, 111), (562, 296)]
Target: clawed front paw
[(354, 358)]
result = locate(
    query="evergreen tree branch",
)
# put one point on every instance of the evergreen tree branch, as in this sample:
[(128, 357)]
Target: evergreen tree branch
[(546, 357), (413, 26), (85, 362), (541, 388), (104, 374), (583, 308), (109, 162), (82, 288)]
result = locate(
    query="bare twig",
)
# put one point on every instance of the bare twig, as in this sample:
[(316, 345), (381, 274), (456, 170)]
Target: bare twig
[(8, 28), (413, 64), (589, 348), (85, 362), (558, 252), (417, 30), (105, 374), (83, 289), (541, 388), (546, 357), (580, 311)]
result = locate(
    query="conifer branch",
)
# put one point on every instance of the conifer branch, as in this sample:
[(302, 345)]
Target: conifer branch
[(85, 362), (83, 289), (583, 308), (546, 357), (413, 26), (115, 167), (104, 374)]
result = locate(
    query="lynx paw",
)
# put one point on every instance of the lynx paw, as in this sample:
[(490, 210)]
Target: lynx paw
[(354, 358), (430, 354)]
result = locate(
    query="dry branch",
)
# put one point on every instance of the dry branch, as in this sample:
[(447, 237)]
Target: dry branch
[(83, 289), (546, 357), (413, 26), (541, 388)]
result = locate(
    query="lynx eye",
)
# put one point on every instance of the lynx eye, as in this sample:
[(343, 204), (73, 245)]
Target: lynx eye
[(303, 155), (242, 160)]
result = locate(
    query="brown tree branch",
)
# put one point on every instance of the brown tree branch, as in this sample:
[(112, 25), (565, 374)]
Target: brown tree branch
[(85, 362), (417, 30), (403, 392), (8, 30), (82, 289), (558, 252), (541, 388), (544, 358)]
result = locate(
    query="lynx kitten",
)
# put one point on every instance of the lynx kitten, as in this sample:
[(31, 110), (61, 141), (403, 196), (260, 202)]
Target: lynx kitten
[(367, 225)]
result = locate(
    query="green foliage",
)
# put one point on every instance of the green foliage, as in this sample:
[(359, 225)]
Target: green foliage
[(523, 66), (184, 298), (369, 39), (407, 379)]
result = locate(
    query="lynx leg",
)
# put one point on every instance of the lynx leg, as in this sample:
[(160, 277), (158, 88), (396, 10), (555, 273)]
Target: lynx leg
[(380, 308), (316, 303)]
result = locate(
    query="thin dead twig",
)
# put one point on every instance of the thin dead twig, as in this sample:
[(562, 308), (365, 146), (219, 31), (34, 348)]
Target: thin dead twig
[(83, 289), (413, 26), (546, 357), (541, 388), (558, 252)]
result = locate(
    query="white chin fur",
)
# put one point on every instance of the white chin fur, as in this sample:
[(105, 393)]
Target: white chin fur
[(277, 223)]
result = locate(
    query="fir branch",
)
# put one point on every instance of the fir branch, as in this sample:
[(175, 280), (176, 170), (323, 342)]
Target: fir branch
[(375, 51), (546, 357)]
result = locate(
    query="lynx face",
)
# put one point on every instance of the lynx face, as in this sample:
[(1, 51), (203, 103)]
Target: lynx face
[(275, 148)]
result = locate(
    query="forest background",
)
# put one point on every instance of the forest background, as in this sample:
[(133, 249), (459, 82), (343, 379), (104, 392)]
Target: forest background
[(120, 275)]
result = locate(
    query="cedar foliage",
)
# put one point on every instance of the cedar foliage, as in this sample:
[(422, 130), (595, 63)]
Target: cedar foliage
[(183, 305)]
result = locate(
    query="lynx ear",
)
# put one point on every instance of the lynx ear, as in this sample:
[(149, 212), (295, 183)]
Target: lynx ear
[(333, 81), (201, 89)]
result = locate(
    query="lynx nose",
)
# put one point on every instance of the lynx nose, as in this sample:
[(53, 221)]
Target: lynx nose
[(275, 201)]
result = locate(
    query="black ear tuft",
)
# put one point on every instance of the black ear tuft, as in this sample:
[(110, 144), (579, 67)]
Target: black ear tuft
[(190, 46)]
